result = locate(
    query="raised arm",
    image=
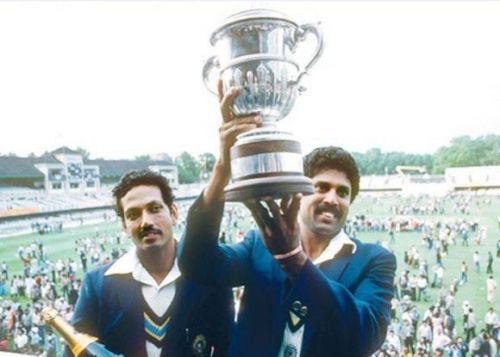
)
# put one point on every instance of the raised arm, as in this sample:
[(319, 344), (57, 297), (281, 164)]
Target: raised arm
[(200, 256), (229, 130)]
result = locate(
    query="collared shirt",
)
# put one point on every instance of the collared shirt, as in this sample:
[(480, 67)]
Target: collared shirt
[(334, 247), (157, 296), (292, 341)]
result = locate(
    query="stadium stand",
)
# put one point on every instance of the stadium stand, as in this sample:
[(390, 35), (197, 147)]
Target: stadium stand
[(63, 180), (474, 177)]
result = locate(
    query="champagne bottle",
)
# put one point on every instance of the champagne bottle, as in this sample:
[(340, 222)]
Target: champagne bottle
[(80, 344)]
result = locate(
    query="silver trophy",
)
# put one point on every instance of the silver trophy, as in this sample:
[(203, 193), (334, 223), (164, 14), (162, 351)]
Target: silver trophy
[(256, 54)]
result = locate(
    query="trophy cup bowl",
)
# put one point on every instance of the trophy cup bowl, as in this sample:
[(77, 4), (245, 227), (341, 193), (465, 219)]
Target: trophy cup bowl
[(256, 54), (264, 85)]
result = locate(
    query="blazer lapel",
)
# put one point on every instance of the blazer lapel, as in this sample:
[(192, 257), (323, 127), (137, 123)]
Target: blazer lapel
[(334, 270), (186, 295), (130, 299), (129, 293), (280, 312)]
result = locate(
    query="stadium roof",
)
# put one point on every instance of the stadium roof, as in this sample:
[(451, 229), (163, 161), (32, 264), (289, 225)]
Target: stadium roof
[(65, 150), (114, 168), (22, 167), (13, 167)]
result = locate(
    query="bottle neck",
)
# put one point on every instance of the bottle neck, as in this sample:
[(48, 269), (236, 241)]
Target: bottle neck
[(76, 341)]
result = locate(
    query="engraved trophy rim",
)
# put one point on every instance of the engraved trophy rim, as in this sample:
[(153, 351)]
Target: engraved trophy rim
[(249, 15)]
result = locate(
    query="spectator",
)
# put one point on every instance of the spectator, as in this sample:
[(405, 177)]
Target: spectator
[(489, 267), (21, 341), (422, 288), (491, 286), (490, 321), (470, 325), (464, 270), (484, 344), (476, 260), (475, 347), (51, 346)]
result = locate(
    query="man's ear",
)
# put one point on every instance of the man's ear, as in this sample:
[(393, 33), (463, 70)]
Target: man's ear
[(124, 226), (174, 213)]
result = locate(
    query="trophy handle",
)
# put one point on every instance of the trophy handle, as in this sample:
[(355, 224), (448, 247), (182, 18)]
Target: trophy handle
[(210, 65), (300, 36)]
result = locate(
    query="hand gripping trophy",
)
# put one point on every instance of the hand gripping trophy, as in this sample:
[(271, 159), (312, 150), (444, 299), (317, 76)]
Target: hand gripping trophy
[(255, 53)]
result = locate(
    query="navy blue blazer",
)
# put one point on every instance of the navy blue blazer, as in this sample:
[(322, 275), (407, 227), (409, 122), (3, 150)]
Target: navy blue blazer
[(109, 307), (346, 300)]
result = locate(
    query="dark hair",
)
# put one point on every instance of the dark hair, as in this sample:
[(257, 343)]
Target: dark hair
[(336, 158), (141, 178)]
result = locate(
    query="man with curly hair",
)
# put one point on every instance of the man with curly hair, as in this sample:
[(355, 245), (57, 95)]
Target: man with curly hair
[(140, 305), (310, 289)]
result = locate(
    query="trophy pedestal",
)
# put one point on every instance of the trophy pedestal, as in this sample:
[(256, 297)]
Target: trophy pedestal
[(266, 162), (275, 187)]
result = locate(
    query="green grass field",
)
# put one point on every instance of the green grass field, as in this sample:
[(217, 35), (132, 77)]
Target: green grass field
[(61, 245), (475, 290)]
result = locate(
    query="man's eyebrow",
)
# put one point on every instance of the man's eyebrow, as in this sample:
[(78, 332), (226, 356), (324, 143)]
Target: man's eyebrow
[(131, 209), (155, 202), (322, 182), (149, 204)]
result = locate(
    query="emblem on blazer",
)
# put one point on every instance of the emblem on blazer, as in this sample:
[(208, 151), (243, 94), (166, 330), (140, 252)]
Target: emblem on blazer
[(199, 345), (290, 351), (296, 316)]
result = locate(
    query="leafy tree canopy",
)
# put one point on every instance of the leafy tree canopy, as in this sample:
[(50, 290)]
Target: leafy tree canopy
[(188, 168)]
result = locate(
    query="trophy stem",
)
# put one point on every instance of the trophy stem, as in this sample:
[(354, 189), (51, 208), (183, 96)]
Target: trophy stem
[(266, 162)]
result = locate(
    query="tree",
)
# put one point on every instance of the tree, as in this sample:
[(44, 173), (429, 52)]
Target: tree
[(376, 162), (206, 161), (85, 154), (464, 151), (187, 167)]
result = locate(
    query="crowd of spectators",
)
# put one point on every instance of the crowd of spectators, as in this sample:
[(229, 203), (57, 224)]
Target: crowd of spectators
[(414, 330), (435, 332)]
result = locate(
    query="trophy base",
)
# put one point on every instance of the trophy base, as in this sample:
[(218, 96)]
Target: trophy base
[(275, 187)]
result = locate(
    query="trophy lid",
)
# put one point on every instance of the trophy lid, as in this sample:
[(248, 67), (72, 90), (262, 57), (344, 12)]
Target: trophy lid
[(250, 15)]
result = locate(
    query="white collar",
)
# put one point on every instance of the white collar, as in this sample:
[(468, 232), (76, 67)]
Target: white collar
[(129, 263), (334, 247), (125, 264)]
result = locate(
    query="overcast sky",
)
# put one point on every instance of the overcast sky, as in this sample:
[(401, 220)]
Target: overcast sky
[(123, 79)]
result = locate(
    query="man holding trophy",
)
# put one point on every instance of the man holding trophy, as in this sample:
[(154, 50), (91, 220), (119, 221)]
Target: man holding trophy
[(310, 290)]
